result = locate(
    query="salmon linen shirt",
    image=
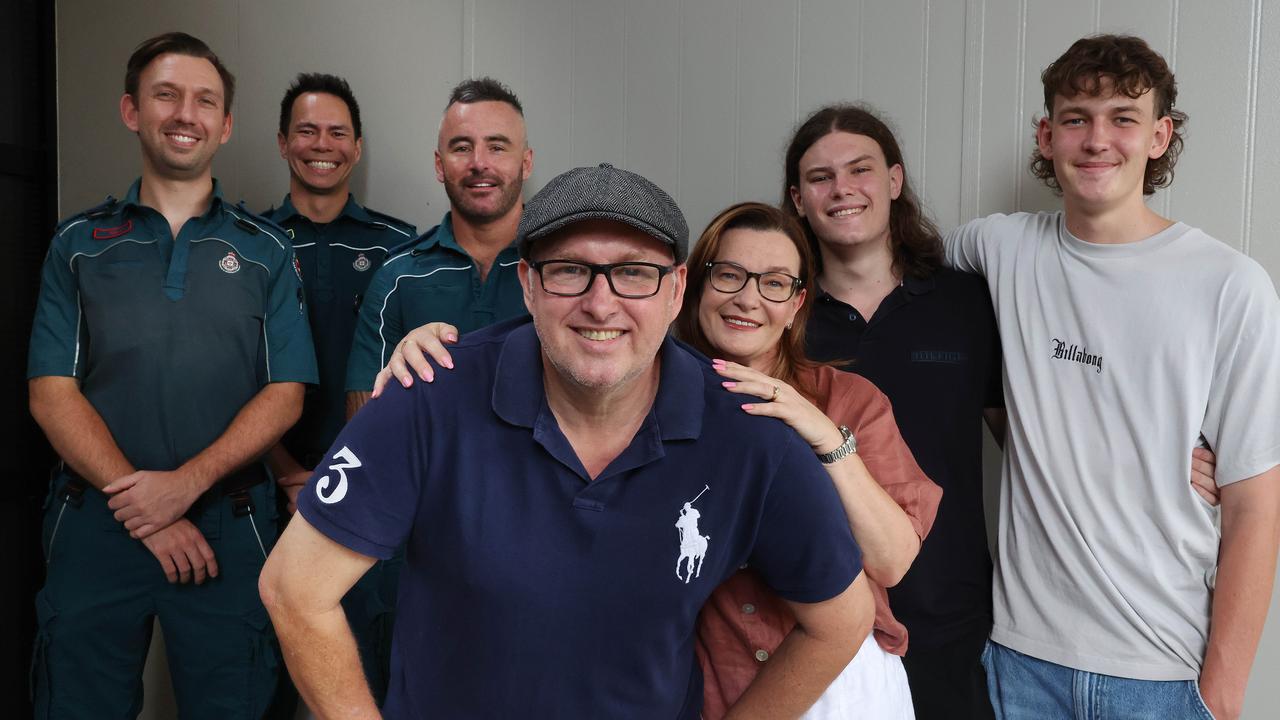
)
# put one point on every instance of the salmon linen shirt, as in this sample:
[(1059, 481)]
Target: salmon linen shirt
[(744, 622)]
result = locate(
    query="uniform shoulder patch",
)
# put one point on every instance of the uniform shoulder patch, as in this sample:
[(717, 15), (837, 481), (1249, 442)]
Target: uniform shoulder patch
[(110, 233), (415, 243), (101, 210), (252, 224), (393, 223)]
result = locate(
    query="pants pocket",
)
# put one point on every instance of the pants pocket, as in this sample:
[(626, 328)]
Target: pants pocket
[(1206, 713), (264, 663), (41, 692)]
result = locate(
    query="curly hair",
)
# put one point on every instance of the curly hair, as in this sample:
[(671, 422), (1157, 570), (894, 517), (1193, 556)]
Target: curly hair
[(765, 218), (914, 241), (1117, 64)]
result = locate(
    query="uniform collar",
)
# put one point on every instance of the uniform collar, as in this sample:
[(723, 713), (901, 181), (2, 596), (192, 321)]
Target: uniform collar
[(442, 236), (520, 398), (131, 199), (352, 209)]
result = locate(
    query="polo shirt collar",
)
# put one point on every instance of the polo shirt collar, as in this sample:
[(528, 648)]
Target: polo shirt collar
[(919, 286), (520, 398), (131, 199), (352, 209), (911, 284), (442, 236)]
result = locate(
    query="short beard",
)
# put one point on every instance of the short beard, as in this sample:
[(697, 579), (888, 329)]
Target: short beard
[(510, 196)]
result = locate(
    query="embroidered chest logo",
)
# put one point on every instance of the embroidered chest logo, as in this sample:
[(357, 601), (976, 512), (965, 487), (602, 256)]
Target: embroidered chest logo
[(347, 460), (693, 544), (1075, 353), (362, 263), (290, 233), (229, 264)]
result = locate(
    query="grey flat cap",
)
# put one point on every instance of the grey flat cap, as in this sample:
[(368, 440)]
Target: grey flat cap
[(603, 192)]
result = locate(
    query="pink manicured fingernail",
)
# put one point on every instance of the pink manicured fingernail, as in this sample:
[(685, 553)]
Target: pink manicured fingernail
[(451, 337), (729, 384), (448, 364), (747, 407)]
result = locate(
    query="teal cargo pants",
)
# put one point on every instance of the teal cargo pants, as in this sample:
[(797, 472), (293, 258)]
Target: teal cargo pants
[(103, 590)]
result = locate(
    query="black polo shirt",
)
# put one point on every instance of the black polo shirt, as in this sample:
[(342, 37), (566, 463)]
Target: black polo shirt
[(933, 349)]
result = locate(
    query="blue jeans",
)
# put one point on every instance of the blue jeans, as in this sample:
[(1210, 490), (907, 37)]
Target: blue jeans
[(1024, 688)]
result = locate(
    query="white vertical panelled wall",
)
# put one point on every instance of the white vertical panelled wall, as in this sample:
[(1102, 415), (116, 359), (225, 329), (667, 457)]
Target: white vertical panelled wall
[(700, 96)]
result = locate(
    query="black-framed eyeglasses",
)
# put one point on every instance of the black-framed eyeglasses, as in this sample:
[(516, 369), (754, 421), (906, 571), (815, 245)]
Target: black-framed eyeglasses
[(727, 277), (632, 280)]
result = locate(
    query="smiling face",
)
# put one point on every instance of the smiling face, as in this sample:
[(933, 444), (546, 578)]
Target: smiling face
[(1100, 145), (599, 341), (846, 190), (483, 159), (743, 326), (321, 147), (179, 114)]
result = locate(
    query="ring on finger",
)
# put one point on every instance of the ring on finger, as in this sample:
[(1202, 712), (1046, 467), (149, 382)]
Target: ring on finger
[(774, 397)]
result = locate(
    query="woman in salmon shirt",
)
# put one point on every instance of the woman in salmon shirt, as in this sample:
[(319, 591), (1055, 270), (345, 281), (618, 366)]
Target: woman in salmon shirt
[(745, 306)]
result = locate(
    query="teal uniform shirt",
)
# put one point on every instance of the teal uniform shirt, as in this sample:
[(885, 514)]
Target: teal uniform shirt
[(170, 337), (432, 280), (338, 259)]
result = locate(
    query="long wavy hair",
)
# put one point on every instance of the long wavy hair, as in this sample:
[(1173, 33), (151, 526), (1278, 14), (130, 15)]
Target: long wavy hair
[(765, 218), (914, 241)]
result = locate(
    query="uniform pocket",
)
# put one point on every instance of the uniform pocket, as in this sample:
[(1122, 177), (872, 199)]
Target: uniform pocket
[(264, 663)]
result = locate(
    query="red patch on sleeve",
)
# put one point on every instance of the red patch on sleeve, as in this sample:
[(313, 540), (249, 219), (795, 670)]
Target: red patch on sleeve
[(109, 233)]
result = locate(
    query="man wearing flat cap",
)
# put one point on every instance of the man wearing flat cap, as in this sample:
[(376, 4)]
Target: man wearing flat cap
[(569, 496)]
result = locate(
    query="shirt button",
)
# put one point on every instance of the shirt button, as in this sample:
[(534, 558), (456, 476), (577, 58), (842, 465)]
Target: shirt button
[(749, 609), (762, 655), (743, 566), (853, 316)]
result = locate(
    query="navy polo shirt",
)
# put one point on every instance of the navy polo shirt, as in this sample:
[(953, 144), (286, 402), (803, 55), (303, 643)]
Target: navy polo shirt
[(170, 337), (434, 280), (530, 590), (932, 347), (338, 259)]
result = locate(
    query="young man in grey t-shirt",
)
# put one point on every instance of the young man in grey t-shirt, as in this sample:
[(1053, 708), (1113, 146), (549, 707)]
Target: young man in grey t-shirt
[(1127, 338)]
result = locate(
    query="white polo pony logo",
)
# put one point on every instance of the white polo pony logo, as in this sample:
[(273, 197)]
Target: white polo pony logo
[(693, 545)]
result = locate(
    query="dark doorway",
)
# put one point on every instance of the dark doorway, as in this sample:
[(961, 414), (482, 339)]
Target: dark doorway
[(28, 213)]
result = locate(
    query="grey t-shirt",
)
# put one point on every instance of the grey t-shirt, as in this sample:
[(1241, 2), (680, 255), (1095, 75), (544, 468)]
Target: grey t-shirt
[(1117, 359)]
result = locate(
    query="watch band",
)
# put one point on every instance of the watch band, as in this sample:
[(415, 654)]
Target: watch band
[(848, 447)]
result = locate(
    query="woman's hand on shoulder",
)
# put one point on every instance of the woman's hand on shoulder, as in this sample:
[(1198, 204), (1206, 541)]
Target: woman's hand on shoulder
[(779, 400), (412, 352)]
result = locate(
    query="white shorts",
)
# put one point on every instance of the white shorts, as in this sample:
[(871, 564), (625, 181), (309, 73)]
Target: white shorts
[(873, 686)]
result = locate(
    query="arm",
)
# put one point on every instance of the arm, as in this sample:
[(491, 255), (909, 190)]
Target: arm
[(80, 437), (302, 584), (76, 430), (1246, 574), (289, 473), (1204, 474), (966, 247), (826, 637), (882, 529), (146, 501)]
